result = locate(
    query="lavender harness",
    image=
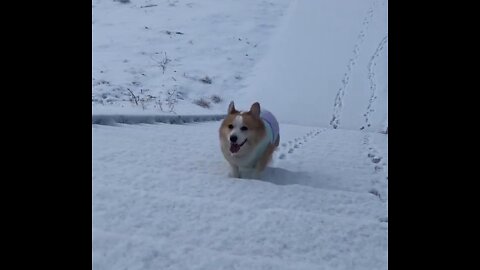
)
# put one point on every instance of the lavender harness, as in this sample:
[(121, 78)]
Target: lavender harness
[(271, 125), (272, 129)]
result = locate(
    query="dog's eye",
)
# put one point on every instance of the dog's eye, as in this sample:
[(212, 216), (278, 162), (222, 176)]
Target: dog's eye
[(244, 128), (230, 126)]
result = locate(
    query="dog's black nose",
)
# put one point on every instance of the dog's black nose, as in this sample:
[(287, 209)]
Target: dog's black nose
[(233, 138)]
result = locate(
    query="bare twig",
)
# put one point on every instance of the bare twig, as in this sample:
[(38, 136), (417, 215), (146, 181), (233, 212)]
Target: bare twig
[(163, 63), (147, 6), (134, 97)]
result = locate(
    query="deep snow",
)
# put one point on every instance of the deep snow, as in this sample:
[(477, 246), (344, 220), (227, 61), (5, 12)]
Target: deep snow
[(162, 200)]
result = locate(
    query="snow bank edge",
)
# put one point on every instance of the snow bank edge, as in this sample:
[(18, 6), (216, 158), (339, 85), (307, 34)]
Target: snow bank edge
[(105, 119)]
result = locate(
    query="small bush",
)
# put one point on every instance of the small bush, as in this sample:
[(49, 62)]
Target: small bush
[(216, 99), (172, 99), (206, 80), (202, 103)]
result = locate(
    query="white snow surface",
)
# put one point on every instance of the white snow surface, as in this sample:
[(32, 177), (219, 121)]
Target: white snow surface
[(162, 200)]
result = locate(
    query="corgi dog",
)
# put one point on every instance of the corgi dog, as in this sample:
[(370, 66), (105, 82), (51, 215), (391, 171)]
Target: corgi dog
[(248, 140)]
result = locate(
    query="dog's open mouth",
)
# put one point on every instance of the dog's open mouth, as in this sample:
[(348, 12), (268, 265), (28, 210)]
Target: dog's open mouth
[(234, 148)]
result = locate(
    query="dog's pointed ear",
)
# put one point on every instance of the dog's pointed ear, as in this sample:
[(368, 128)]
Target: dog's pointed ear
[(255, 109), (231, 108)]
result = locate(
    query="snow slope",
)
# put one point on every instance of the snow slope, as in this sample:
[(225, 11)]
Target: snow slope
[(311, 62), (169, 53), (327, 66), (162, 200)]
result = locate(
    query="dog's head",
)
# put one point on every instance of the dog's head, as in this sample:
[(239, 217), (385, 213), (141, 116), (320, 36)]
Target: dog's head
[(240, 132)]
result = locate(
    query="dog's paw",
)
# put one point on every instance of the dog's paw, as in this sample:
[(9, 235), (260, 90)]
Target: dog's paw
[(234, 172)]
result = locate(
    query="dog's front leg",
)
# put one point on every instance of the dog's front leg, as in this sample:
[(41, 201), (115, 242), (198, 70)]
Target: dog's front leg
[(257, 175), (263, 161), (234, 172)]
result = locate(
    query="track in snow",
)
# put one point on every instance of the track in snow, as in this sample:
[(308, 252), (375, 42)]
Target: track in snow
[(338, 103), (373, 85), (288, 147)]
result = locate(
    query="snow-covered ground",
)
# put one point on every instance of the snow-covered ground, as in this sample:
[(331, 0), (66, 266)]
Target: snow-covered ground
[(327, 66), (170, 53), (162, 200), (161, 195)]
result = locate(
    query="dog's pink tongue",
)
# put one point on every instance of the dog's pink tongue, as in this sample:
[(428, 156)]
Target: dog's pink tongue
[(234, 148)]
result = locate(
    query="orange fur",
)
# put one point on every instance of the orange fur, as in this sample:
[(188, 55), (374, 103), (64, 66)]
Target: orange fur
[(256, 133)]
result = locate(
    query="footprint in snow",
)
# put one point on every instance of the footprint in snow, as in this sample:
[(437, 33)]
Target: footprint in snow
[(375, 192)]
